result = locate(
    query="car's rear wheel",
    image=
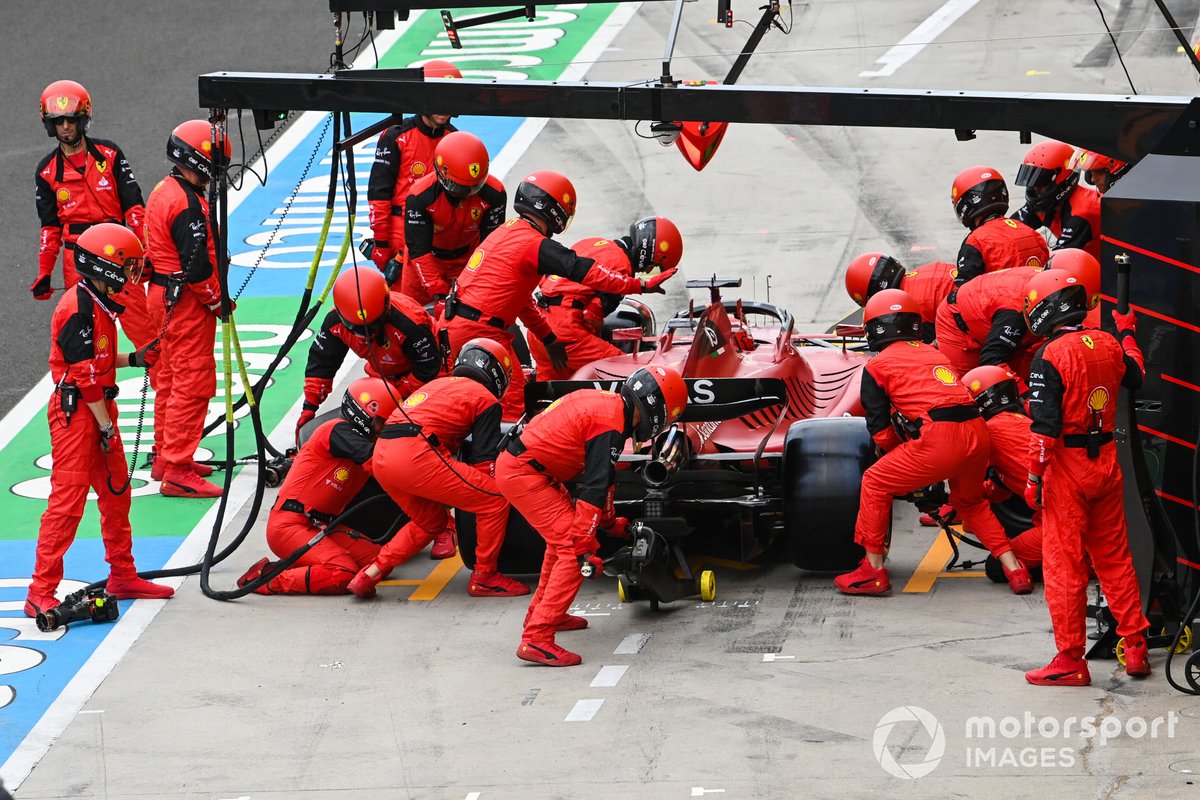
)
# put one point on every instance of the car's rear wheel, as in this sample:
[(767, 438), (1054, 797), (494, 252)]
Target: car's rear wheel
[(523, 546), (823, 464), (1014, 515)]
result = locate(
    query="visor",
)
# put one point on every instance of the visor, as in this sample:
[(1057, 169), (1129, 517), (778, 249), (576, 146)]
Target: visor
[(1035, 177)]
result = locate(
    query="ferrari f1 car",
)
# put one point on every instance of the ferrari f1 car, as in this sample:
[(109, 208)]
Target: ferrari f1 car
[(772, 444)]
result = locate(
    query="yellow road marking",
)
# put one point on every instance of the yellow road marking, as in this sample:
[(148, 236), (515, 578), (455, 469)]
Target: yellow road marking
[(931, 568), (1029, 73), (433, 583)]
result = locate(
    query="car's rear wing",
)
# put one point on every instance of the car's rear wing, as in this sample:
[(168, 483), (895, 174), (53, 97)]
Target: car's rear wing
[(709, 399)]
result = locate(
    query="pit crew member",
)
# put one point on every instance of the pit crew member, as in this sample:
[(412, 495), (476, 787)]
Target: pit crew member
[(927, 284), (1055, 200), (980, 199)]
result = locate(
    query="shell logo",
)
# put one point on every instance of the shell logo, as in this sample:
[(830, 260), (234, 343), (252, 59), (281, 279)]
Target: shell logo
[(418, 168), (975, 386), (415, 400), (473, 169), (62, 195), (206, 145), (102, 343), (1033, 296), (507, 362), (953, 192), (1098, 398), (1088, 342), (945, 375), (475, 260), (364, 398), (910, 274), (1033, 261), (341, 473), (109, 249), (664, 246), (566, 198)]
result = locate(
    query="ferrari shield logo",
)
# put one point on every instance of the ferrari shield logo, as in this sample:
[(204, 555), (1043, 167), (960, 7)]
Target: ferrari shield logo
[(62, 103), (473, 169), (1088, 342), (476, 213), (101, 166)]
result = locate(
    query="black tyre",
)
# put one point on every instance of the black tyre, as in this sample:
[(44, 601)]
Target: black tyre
[(1014, 515), (380, 519), (522, 551), (823, 464)]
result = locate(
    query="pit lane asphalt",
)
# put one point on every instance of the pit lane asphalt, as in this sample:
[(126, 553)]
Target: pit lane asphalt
[(778, 689)]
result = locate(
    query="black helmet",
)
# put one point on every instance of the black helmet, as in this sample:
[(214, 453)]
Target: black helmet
[(485, 361), (660, 396), (547, 196), (891, 316), (1052, 298)]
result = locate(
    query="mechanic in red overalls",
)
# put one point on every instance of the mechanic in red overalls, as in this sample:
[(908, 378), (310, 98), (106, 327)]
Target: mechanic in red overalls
[(447, 214), (84, 441), (1086, 270), (82, 182), (496, 287), (928, 284), (578, 439), (1074, 474), (403, 156), (1098, 169), (980, 199), (576, 312), (929, 430), (184, 299), (998, 396), (981, 322), (415, 463), (1055, 200), (328, 472)]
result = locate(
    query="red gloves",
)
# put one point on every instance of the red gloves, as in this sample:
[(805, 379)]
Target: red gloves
[(1126, 323), (146, 356), (1040, 449), (653, 284), (618, 528), (306, 416), (557, 352), (382, 255), (1033, 492), (995, 492), (316, 390), (41, 288)]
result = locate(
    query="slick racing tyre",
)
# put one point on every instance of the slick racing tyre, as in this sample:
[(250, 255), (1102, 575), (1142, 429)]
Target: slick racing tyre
[(823, 464)]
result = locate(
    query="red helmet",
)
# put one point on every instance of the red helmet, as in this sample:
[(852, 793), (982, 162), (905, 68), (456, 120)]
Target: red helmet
[(65, 99), (656, 243), (547, 196), (440, 69), (994, 389), (485, 361), (870, 273), (109, 253), (1091, 163), (191, 146), (365, 401), (660, 396), (1083, 265), (979, 193), (461, 163), (1046, 175), (361, 297), (891, 315), (1052, 298)]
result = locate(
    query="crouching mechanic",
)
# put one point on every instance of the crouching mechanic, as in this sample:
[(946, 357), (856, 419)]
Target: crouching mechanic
[(929, 430), (578, 438), (496, 287), (84, 441), (998, 396), (328, 472), (1074, 474), (576, 312), (416, 466)]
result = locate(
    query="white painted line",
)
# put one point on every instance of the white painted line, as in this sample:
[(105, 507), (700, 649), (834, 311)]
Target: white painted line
[(608, 677), (631, 644), (473, 796), (24, 411), (91, 711), (700, 791), (583, 711), (774, 657), (581, 613), (922, 35)]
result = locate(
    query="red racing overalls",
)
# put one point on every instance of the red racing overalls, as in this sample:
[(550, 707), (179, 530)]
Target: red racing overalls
[(1074, 380), (1008, 432), (440, 232), (1000, 243), (328, 472), (929, 284), (404, 353), (577, 438), (403, 156), (416, 462), (982, 322), (944, 438), (1075, 223), (83, 353), (576, 312), (74, 193), (496, 289), (180, 249)]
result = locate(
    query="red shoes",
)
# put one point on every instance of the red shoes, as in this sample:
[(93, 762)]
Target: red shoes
[(495, 584), (39, 604), (946, 512), (547, 653), (444, 545), (253, 574), (158, 468), (184, 482), (1019, 580), (1064, 670), (1137, 656), (136, 588), (570, 622), (363, 585), (864, 580)]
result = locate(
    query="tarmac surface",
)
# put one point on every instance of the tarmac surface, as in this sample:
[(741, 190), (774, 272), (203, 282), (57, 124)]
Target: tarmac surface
[(781, 688)]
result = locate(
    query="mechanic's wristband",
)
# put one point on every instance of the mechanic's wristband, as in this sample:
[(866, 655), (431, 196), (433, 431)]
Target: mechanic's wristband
[(307, 406), (549, 340)]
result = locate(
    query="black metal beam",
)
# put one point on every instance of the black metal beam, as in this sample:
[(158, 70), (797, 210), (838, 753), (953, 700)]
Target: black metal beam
[(1122, 126)]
